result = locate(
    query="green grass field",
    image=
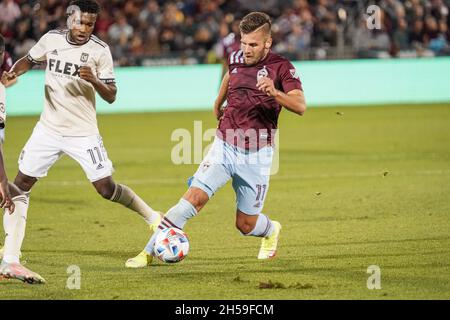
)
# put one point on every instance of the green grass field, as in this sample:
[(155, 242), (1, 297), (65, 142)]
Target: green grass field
[(368, 186)]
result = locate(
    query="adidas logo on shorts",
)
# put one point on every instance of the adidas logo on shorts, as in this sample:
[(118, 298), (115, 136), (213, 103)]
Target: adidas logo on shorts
[(100, 166)]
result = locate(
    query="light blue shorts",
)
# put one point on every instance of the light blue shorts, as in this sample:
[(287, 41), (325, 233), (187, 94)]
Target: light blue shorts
[(250, 172)]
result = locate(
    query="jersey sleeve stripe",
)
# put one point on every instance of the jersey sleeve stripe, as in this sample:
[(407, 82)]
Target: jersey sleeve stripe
[(232, 57), (239, 56), (98, 41), (30, 58), (60, 32), (108, 81), (236, 57)]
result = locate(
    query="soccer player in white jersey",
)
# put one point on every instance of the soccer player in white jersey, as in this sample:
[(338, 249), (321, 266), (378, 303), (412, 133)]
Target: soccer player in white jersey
[(78, 66)]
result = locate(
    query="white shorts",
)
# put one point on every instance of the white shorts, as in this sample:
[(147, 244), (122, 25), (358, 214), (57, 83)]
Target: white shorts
[(44, 148)]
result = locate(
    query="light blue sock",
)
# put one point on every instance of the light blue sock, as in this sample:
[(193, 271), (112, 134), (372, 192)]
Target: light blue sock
[(176, 217), (263, 227)]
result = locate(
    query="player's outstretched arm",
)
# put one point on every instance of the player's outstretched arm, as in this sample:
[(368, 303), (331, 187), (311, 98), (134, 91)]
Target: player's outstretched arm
[(223, 91), (106, 91), (293, 100), (19, 68)]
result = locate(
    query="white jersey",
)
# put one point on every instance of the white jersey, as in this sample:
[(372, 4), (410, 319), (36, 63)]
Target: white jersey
[(69, 108), (2, 112)]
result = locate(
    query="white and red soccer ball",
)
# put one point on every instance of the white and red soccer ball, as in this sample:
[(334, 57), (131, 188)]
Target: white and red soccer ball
[(171, 245)]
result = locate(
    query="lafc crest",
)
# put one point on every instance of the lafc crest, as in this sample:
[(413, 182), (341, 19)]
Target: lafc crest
[(84, 57)]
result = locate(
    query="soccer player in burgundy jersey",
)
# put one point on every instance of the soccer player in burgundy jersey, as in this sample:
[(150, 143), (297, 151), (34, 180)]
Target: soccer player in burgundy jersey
[(258, 84), (230, 44), (6, 65)]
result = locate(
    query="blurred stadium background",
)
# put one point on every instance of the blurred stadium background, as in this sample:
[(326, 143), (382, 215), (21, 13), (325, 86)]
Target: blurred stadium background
[(357, 186), (200, 33), (152, 32)]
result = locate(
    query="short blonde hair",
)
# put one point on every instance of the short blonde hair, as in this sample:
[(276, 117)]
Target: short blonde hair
[(254, 21)]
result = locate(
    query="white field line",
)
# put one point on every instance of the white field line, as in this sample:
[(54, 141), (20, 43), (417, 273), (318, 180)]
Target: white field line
[(171, 181)]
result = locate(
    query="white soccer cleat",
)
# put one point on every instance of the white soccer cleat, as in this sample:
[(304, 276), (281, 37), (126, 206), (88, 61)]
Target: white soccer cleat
[(19, 272), (269, 245)]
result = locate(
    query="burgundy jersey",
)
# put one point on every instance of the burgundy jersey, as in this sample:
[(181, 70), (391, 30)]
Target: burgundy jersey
[(250, 110), (230, 44), (7, 63)]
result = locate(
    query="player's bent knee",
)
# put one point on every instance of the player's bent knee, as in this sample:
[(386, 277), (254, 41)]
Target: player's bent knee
[(245, 223), (197, 197), (24, 182), (244, 226), (105, 192), (105, 187)]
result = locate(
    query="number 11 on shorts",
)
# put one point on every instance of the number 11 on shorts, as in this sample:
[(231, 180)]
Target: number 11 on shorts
[(261, 192), (92, 154)]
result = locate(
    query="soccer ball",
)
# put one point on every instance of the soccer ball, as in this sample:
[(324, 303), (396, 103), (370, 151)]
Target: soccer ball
[(171, 245)]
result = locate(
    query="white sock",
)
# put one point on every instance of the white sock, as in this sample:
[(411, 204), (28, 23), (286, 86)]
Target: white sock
[(263, 227), (14, 225), (127, 197), (177, 216)]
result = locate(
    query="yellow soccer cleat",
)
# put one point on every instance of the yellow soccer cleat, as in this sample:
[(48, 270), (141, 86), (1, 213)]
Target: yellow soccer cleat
[(269, 245), (142, 260), (155, 224)]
